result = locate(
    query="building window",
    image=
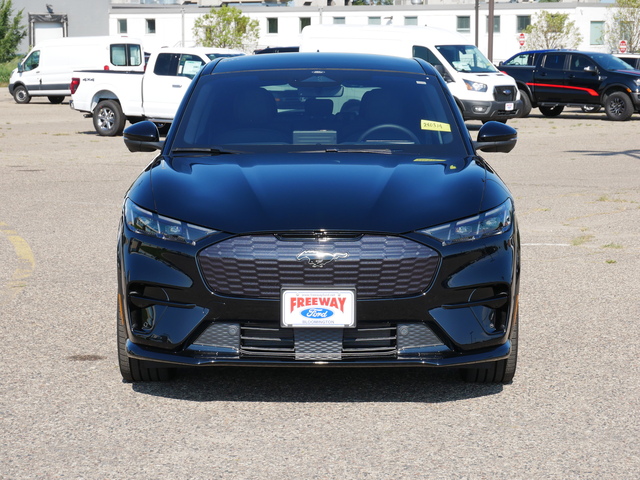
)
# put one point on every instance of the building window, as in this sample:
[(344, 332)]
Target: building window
[(272, 25), (338, 21), (463, 24), (304, 22), (496, 24), (523, 22), (151, 25), (122, 25), (596, 34), (375, 21), (411, 20)]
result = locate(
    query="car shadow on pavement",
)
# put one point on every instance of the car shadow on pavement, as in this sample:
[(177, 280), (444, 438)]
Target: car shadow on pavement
[(417, 385)]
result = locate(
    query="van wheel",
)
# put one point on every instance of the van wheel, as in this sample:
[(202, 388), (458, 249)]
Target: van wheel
[(21, 95), (551, 111), (56, 99), (526, 104), (618, 106), (108, 119)]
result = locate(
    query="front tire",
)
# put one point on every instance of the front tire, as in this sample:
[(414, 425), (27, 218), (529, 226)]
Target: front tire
[(21, 94), (618, 106), (526, 104), (501, 371), (551, 111), (132, 369), (108, 119)]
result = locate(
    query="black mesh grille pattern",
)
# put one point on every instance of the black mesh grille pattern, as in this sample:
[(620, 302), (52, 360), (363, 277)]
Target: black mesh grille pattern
[(505, 93), (258, 266)]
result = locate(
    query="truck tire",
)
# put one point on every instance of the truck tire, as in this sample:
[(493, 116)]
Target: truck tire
[(591, 108), (526, 104), (551, 111), (108, 119), (21, 95), (618, 106), (56, 99)]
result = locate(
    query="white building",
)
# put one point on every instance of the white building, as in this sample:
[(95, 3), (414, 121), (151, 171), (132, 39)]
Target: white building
[(171, 24)]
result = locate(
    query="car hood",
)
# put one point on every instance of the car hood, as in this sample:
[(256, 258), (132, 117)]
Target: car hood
[(346, 192)]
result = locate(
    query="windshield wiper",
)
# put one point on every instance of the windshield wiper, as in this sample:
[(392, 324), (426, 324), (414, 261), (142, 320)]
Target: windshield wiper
[(377, 151), (203, 150)]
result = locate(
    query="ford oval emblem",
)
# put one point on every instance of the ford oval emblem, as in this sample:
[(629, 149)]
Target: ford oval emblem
[(316, 313), (507, 92)]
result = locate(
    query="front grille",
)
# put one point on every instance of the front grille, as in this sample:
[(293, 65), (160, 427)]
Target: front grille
[(366, 341), (504, 93), (268, 341), (259, 266)]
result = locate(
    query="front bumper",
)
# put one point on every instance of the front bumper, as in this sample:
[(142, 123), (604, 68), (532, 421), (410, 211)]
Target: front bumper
[(477, 110), (462, 317)]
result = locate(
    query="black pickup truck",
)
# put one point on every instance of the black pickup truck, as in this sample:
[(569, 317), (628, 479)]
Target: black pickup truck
[(554, 79)]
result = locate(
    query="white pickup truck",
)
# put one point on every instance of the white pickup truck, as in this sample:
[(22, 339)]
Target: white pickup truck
[(111, 98)]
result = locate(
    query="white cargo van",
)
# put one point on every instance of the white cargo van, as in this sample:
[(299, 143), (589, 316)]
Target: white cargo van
[(481, 90), (47, 69)]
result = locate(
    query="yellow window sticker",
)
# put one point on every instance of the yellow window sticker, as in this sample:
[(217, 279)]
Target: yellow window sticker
[(436, 126)]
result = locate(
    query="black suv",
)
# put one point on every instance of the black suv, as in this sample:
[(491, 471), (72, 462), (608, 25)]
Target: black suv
[(553, 79)]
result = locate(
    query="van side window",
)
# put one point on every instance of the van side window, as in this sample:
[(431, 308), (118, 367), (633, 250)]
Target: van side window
[(425, 54), (124, 55), (32, 61)]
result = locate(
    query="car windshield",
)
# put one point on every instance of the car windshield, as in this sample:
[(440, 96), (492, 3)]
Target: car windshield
[(610, 62), (320, 110), (466, 58)]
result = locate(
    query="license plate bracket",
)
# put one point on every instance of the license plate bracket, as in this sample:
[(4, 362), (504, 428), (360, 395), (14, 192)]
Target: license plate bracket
[(330, 307)]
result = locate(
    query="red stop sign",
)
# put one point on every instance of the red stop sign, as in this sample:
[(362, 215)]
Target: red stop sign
[(622, 46), (521, 39)]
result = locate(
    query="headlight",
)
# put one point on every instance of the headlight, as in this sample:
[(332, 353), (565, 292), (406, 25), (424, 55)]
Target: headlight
[(637, 82), (145, 222), (486, 224), (475, 86)]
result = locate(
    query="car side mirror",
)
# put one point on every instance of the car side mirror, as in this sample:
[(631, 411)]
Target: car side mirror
[(443, 72), (496, 137), (20, 67), (591, 69), (142, 137)]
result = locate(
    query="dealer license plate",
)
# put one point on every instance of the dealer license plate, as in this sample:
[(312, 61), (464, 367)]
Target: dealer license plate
[(509, 106), (318, 308)]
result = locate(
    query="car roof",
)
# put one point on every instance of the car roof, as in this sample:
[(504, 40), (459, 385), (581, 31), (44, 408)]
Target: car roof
[(319, 60)]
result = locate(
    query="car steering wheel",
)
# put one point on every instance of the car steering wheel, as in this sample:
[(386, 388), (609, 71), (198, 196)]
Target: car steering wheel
[(404, 130)]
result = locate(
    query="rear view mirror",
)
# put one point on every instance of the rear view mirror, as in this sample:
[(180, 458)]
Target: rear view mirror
[(496, 137)]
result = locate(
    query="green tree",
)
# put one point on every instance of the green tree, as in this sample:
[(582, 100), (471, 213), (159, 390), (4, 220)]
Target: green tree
[(623, 24), (226, 27), (11, 33), (552, 30)]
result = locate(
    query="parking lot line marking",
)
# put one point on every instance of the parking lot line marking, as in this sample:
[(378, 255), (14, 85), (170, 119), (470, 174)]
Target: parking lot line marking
[(26, 264)]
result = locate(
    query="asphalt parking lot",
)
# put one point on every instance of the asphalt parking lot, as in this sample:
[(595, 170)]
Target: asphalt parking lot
[(572, 412)]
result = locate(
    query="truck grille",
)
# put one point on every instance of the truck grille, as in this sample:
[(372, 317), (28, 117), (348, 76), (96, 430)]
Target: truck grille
[(504, 93), (258, 266)]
